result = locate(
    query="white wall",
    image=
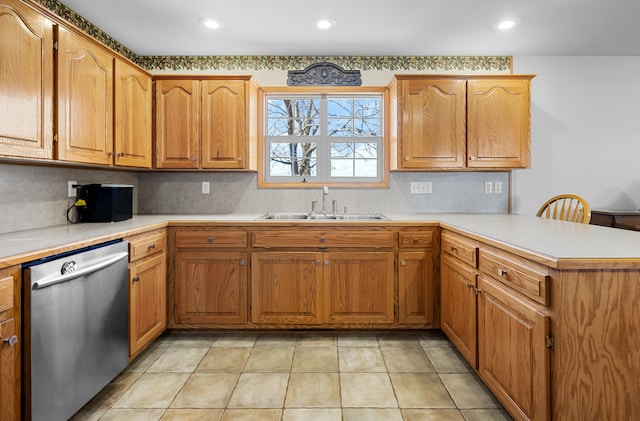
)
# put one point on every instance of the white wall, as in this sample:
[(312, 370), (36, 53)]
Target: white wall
[(585, 136)]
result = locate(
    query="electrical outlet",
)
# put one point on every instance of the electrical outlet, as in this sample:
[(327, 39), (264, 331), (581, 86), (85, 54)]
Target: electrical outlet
[(205, 187), (71, 191), (488, 187), (497, 187), (423, 187)]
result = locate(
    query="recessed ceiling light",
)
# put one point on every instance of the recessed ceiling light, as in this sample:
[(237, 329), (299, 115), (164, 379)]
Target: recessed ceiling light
[(325, 24), (503, 25), (211, 23)]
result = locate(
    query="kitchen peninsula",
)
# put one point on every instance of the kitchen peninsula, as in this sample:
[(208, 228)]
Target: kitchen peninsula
[(553, 309)]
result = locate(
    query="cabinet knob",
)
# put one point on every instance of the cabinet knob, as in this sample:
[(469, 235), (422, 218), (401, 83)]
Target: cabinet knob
[(193, 158), (242, 263), (121, 154), (135, 279), (210, 240), (11, 341), (318, 262), (403, 263), (454, 248), (502, 272), (239, 158), (416, 240), (322, 239), (326, 263), (152, 246)]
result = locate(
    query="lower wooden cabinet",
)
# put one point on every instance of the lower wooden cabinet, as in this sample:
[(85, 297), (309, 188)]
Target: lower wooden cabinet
[(358, 287), (286, 287), (514, 360), (458, 317), (322, 287), (147, 289), (10, 345), (148, 302), (417, 286), (210, 287)]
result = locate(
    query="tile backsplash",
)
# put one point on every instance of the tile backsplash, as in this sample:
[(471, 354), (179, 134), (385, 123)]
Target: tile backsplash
[(36, 196)]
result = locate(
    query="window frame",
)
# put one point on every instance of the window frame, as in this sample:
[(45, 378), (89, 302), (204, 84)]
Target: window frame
[(383, 163)]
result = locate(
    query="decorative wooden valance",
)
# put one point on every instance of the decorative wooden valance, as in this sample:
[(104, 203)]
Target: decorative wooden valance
[(325, 74)]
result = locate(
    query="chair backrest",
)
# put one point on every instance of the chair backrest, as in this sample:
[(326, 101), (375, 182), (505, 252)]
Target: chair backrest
[(567, 207)]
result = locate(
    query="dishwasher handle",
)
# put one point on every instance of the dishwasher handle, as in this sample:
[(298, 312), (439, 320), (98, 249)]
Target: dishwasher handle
[(84, 271)]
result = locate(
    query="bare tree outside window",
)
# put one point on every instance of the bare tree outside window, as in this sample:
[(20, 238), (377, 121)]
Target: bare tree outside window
[(323, 137)]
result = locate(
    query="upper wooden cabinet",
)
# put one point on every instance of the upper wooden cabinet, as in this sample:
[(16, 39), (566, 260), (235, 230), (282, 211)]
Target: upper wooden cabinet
[(133, 111), (203, 122), (85, 100), (26, 82), (462, 121)]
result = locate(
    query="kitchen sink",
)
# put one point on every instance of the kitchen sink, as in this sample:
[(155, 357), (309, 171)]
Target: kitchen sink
[(321, 216), (284, 215)]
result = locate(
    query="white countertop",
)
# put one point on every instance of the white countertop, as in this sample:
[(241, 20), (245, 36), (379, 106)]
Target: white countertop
[(551, 241)]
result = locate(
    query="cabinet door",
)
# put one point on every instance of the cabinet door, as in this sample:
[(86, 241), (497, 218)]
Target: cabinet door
[(286, 287), (85, 100), (133, 116), (458, 317), (177, 123), (358, 287), (211, 287), (513, 357), (416, 301), (9, 356), (433, 124), (148, 302), (498, 123), (26, 82), (224, 127)]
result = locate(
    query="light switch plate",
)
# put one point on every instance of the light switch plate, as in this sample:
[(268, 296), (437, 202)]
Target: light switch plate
[(420, 187), (205, 187)]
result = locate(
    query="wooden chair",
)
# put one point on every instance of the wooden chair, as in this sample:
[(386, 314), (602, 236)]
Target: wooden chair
[(566, 207)]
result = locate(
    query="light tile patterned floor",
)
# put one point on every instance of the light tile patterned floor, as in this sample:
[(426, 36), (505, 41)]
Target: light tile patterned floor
[(315, 376)]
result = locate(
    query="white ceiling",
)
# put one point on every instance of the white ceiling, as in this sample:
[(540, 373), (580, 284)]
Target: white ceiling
[(369, 27)]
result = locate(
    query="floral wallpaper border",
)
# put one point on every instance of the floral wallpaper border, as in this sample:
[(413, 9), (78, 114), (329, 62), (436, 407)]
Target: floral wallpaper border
[(394, 63), (498, 63)]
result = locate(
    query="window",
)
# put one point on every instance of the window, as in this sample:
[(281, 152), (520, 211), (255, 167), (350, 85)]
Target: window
[(327, 138)]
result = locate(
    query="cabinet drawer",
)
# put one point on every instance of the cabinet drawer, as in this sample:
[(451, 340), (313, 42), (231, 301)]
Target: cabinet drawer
[(205, 238), (322, 238), (6, 293), (147, 244), (415, 239), (463, 249), (524, 276)]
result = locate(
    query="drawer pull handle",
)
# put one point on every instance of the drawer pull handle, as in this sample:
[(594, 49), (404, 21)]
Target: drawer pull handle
[(502, 272), (322, 239), (210, 240), (152, 246), (136, 279), (416, 240), (11, 341), (454, 248)]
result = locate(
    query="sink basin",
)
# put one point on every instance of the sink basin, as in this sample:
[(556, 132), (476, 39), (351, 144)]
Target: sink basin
[(284, 215), (320, 216)]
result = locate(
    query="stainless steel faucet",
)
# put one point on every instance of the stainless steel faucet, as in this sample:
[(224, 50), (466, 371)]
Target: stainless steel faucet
[(325, 193)]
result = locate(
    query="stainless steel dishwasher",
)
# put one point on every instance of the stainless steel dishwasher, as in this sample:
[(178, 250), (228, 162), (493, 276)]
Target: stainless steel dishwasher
[(75, 328)]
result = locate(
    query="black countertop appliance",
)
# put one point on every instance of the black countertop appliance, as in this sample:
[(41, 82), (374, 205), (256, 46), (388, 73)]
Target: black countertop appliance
[(105, 202)]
